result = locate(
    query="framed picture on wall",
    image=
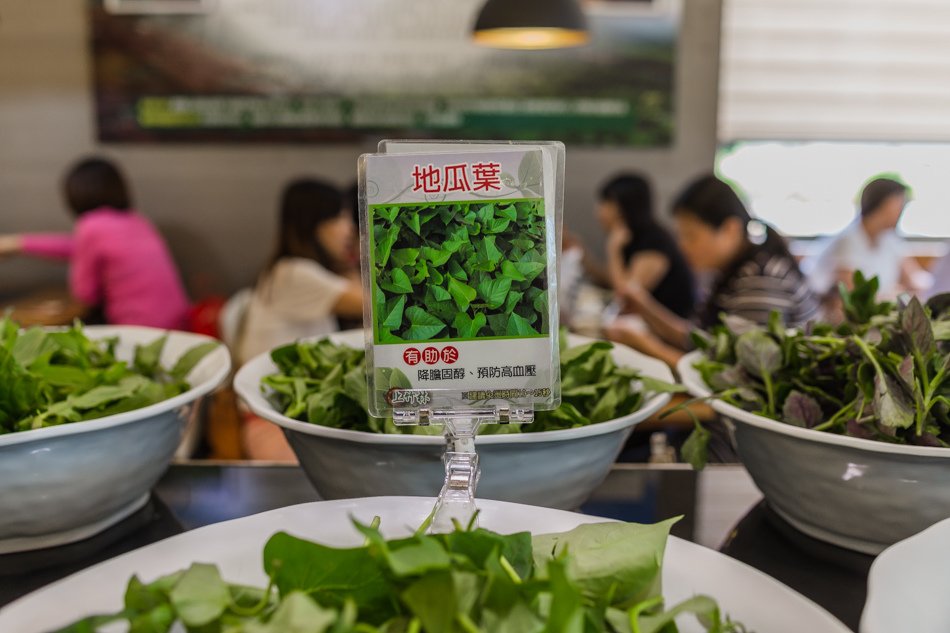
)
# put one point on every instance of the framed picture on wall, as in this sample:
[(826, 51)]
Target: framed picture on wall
[(334, 71)]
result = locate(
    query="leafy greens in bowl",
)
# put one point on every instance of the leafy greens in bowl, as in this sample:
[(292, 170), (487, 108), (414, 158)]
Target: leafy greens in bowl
[(599, 577), (558, 466), (323, 382), (884, 374), (54, 377), (102, 409), (844, 428)]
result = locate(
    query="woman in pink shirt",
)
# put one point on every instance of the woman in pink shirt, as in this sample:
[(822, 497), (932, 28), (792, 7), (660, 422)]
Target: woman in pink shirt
[(118, 261)]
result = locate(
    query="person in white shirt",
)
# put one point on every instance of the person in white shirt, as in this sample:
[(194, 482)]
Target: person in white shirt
[(870, 244), (310, 281), (940, 277)]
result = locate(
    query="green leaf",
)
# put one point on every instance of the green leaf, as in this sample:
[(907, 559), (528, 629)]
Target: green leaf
[(388, 213), (621, 559), (696, 447), (200, 596), (342, 573), (398, 283), (469, 327), (509, 213), (487, 253), (416, 557), (190, 359), (440, 294), (758, 353), (394, 311), (432, 599), (435, 256), (385, 238), (508, 269), (529, 269), (404, 257), (422, 325), (917, 327), (518, 326), (29, 345), (494, 291), (147, 356), (462, 294), (412, 221), (297, 613)]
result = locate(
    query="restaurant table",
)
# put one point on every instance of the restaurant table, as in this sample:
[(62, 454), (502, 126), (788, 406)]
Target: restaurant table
[(46, 306), (197, 493)]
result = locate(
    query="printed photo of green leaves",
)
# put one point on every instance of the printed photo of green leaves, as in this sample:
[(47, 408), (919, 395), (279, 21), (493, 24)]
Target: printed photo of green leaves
[(459, 271)]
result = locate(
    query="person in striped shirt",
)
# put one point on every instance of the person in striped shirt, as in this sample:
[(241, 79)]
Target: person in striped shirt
[(752, 271)]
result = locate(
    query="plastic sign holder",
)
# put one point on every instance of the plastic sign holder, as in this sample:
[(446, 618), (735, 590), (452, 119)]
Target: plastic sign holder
[(456, 501), (459, 246)]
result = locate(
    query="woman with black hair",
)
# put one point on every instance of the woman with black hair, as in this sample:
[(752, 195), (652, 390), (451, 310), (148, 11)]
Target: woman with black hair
[(753, 272), (119, 264), (310, 279), (639, 250)]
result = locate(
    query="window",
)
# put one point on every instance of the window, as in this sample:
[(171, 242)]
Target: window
[(817, 96), (812, 188)]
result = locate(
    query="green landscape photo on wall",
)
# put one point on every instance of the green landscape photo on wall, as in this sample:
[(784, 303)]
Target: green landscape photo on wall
[(459, 270)]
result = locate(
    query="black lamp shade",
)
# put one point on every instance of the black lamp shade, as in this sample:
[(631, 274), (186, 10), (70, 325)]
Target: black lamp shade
[(531, 24)]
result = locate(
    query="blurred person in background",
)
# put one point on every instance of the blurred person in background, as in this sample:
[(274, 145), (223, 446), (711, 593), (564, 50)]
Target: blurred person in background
[(119, 265), (869, 244), (309, 281), (752, 270), (351, 205), (640, 251), (306, 287), (940, 276)]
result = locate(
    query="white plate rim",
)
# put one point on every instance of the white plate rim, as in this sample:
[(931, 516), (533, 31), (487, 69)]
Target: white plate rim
[(879, 577)]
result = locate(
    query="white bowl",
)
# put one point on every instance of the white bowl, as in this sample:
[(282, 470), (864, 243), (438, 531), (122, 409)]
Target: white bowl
[(859, 494), (65, 483), (556, 469), (907, 587), (761, 603)]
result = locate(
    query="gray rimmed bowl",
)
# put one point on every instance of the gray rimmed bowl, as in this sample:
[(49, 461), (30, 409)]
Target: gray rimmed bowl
[(555, 469), (855, 493), (65, 483)]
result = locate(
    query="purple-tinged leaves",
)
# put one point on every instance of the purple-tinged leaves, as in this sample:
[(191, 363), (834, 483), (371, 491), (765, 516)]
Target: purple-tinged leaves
[(916, 325), (801, 410)]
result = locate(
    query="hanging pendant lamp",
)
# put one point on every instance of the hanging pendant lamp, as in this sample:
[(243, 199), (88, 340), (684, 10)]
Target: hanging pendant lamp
[(531, 24)]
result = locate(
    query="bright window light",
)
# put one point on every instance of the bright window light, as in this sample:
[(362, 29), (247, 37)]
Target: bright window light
[(807, 189)]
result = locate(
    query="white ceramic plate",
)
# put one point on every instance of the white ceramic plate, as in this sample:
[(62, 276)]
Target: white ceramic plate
[(748, 595), (907, 588)]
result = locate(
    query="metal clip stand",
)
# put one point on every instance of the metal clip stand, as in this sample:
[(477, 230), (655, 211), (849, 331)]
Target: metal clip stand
[(456, 502)]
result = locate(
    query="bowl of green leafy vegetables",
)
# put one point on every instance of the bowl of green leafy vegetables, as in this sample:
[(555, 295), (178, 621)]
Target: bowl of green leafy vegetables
[(316, 391), (90, 418), (369, 566), (845, 429)]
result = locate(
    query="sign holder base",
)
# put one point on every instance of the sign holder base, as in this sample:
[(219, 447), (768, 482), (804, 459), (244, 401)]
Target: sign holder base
[(456, 502)]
